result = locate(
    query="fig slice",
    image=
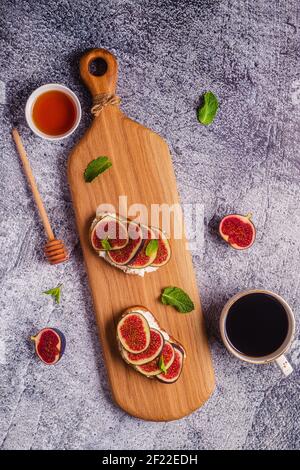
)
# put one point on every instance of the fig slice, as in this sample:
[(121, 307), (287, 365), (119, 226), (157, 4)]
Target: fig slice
[(164, 250), (141, 259), (133, 332), (49, 345), (168, 354), (150, 369), (110, 232), (174, 371), (122, 256), (153, 368), (238, 231), (152, 352)]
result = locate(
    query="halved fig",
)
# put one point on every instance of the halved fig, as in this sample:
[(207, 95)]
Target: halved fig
[(164, 250), (109, 233), (133, 332), (141, 259), (174, 371), (50, 345), (152, 352), (153, 368), (238, 231), (124, 255)]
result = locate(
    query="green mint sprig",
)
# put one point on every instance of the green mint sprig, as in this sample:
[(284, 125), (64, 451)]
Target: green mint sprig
[(207, 111), (55, 293), (177, 298), (96, 167)]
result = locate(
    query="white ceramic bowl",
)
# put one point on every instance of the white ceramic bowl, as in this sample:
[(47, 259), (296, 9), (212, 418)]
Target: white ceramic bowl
[(39, 91)]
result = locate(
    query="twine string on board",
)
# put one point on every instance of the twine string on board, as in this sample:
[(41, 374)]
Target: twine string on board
[(104, 99)]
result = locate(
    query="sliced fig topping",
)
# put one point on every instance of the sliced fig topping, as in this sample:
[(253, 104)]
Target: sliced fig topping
[(174, 371), (124, 255), (150, 369), (109, 233), (153, 368), (133, 333), (142, 259), (160, 358), (168, 354), (49, 345), (164, 251), (152, 352), (238, 231)]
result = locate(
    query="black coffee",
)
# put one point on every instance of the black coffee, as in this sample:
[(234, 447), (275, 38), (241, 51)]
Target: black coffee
[(256, 324)]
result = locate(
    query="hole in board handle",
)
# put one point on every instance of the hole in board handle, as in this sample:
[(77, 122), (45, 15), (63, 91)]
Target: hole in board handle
[(97, 67)]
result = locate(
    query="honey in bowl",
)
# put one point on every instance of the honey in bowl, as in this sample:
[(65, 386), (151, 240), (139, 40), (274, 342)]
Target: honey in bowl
[(54, 113)]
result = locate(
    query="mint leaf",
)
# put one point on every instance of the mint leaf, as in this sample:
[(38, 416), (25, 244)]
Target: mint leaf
[(55, 293), (106, 245), (151, 248), (95, 167), (207, 111), (161, 364), (177, 298)]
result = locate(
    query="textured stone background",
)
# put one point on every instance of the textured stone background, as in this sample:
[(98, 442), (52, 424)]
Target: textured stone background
[(169, 53)]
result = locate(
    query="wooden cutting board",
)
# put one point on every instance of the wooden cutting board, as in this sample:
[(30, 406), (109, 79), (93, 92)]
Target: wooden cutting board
[(142, 170)]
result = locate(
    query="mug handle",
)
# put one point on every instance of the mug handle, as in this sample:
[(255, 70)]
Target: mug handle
[(284, 365)]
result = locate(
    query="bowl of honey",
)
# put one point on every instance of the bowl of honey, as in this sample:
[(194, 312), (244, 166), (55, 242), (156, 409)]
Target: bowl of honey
[(53, 111)]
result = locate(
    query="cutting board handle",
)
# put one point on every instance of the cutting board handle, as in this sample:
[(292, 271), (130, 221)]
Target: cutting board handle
[(96, 83)]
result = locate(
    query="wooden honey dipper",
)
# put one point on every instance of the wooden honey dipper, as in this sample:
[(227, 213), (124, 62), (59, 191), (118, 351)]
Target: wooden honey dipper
[(55, 250)]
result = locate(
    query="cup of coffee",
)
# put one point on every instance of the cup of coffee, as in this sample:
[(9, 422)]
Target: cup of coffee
[(258, 326)]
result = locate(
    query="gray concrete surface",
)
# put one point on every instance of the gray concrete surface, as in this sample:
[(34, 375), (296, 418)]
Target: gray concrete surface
[(169, 53)]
